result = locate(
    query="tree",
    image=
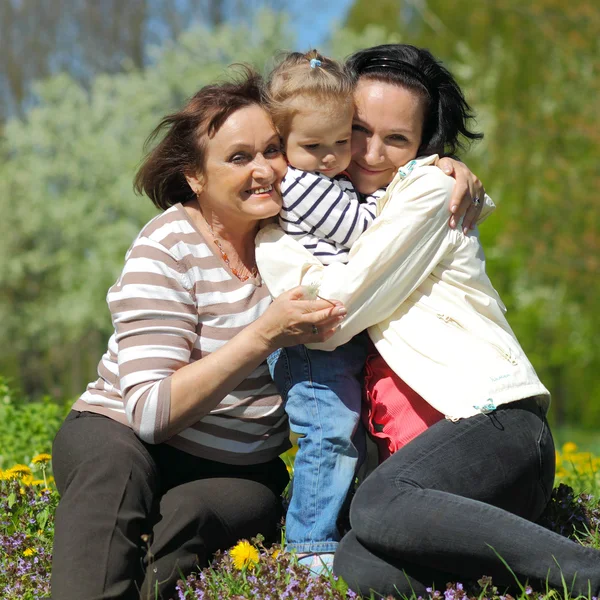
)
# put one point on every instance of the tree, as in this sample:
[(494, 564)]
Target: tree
[(85, 38), (69, 212)]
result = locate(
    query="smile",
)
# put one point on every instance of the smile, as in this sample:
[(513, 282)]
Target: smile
[(262, 190), (370, 171)]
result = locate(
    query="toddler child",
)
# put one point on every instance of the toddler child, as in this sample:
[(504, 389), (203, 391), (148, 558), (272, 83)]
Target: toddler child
[(311, 100)]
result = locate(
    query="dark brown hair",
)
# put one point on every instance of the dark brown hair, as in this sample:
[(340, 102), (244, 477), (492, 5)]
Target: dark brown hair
[(182, 150)]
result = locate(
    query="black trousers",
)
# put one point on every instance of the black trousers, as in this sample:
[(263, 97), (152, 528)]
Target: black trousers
[(134, 517), (449, 503)]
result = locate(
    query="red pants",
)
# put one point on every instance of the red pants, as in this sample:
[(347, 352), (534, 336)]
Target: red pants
[(393, 413)]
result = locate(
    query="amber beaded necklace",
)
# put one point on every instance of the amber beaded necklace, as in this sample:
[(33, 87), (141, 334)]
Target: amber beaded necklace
[(240, 276)]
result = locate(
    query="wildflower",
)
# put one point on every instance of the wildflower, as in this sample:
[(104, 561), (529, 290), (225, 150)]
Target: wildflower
[(244, 554), (41, 459), (569, 448), (29, 552), (27, 479), (19, 470)]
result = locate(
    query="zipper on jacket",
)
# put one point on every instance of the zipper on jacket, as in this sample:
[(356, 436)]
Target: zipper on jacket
[(503, 353)]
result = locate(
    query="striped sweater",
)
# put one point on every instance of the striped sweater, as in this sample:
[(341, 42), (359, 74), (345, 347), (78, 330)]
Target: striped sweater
[(325, 215), (175, 302)]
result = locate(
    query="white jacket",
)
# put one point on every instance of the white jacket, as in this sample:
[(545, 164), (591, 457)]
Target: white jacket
[(422, 291)]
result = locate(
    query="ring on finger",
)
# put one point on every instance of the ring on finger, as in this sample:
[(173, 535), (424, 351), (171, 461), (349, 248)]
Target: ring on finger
[(315, 329), (477, 201)]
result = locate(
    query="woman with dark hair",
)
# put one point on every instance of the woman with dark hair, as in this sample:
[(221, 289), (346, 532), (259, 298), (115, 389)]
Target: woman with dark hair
[(173, 452), (459, 408)]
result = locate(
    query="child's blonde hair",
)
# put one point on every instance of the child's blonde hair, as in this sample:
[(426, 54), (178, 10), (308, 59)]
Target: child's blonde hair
[(310, 74)]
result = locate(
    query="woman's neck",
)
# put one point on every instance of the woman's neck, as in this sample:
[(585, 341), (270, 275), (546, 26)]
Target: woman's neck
[(233, 237)]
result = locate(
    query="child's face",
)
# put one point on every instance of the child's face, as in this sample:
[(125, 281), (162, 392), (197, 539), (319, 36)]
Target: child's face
[(318, 137)]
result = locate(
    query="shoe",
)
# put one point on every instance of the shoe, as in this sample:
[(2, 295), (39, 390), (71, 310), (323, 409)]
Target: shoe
[(318, 563)]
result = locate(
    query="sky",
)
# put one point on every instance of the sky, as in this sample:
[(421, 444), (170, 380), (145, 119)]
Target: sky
[(314, 19)]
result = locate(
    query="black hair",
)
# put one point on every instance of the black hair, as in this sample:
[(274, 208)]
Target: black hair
[(446, 111)]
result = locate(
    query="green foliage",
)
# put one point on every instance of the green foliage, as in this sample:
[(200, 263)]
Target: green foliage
[(69, 211), (27, 507), (26, 428)]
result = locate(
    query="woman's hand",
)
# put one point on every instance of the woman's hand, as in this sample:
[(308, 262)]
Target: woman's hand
[(296, 318), (468, 194)]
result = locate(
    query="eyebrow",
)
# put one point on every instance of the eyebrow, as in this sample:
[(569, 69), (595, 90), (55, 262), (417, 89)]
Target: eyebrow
[(242, 146), (390, 132)]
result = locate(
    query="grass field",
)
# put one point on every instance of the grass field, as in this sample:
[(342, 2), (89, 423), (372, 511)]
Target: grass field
[(28, 499)]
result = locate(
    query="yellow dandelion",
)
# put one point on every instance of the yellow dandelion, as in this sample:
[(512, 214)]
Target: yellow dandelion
[(41, 459), (29, 552), (27, 479), (38, 482), (244, 554), (20, 470), (569, 447), (276, 553)]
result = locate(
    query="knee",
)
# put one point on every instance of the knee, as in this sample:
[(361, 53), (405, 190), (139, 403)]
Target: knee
[(376, 497), (93, 457)]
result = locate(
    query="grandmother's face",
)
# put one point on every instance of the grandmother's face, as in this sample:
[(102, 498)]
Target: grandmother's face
[(244, 167), (386, 133)]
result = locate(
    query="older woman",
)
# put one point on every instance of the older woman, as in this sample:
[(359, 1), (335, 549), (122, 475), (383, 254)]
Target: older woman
[(465, 490), (179, 437), (172, 453)]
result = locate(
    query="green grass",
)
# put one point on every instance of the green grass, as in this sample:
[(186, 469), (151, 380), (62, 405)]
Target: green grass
[(27, 521)]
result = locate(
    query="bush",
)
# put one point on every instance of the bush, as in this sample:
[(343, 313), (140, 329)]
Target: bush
[(26, 428)]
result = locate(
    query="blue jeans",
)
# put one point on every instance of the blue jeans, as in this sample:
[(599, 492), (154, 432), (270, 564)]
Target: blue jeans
[(322, 393)]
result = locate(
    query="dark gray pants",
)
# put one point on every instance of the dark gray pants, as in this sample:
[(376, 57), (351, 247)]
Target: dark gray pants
[(116, 490), (460, 494)]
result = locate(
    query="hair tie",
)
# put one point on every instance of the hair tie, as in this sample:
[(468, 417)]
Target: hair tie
[(375, 62), (314, 63)]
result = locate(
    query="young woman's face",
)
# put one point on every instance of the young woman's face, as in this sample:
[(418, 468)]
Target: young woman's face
[(244, 167), (386, 133)]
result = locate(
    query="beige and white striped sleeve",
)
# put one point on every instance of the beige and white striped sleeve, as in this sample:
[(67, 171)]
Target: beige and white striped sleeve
[(155, 319)]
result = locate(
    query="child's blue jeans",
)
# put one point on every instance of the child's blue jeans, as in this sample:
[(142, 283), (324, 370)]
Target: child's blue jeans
[(322, 393)]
